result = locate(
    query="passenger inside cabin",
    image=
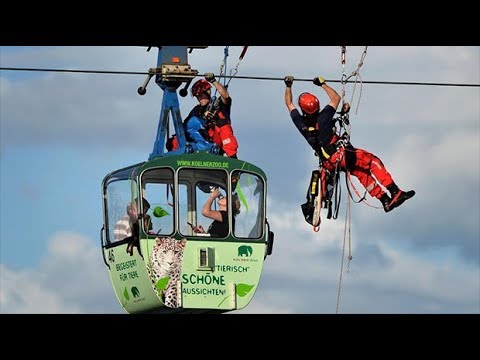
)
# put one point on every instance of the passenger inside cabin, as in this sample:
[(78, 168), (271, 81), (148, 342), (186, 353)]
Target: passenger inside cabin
[(219, 226), (127, 226)]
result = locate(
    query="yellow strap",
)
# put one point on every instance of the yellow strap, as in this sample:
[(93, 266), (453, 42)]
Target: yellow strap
[(325, 154)]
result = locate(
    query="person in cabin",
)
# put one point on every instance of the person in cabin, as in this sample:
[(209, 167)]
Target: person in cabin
[(127, 228), (219, 226), (318, 128), (210, 120)]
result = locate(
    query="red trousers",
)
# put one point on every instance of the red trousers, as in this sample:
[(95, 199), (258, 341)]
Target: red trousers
[(225, 139), (365, 166)]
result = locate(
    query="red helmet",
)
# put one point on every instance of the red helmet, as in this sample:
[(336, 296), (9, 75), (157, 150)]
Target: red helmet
[(308, 103), (200, 86)]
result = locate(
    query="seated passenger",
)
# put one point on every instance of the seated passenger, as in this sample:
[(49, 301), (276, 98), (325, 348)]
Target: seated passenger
[(219, 226), (128, 228)]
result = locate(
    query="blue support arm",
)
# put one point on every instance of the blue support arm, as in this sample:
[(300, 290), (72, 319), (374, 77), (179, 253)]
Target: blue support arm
[(172, 70)]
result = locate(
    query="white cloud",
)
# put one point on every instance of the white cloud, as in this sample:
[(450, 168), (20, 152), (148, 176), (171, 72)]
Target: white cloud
[(71, 278), (303, 273), (22, 292), (303, 276)]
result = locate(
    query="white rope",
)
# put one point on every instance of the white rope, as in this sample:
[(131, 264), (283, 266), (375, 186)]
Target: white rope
[(343, 258), (223, 66), (356, 73), (346, 234), (234, 71)]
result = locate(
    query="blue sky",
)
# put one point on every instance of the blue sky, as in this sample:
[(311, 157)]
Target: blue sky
[(61, 133)]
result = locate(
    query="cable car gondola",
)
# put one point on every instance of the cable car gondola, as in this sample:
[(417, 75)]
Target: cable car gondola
[(163, 265)]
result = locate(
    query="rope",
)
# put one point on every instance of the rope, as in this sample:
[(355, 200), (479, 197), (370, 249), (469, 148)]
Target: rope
[(411, 83), (356, 73), (349, 184), (337, 191), (235, 70), (342, 259), (350, 257), (223, 66), (347, 234), (344, 75)]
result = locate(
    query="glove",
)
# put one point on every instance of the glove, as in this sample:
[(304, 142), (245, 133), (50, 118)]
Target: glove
[(288, 81), (210, 77), (319, 81)]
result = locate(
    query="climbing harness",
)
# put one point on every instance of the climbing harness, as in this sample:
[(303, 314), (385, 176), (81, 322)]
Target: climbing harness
[(328, 195), (212, 110)]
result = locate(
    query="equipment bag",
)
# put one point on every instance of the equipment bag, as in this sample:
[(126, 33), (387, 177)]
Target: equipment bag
[(311, 215)]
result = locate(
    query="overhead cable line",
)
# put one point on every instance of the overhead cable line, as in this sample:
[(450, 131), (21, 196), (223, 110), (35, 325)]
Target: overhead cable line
[(78, 71), (239, 77)]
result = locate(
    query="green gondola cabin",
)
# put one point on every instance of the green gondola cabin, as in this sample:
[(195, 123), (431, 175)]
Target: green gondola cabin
[(171, 268)]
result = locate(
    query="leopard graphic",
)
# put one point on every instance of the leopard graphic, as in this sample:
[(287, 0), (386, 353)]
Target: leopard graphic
[(166, 263)]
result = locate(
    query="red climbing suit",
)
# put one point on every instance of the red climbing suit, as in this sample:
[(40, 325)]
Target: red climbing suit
[(361, 164), (223, 136)]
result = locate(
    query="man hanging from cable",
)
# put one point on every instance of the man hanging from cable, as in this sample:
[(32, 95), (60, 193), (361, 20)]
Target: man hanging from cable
[(318, 128), (209, 121)]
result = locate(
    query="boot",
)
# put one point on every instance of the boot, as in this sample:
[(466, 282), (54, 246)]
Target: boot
[(398, 196), (385, 200)]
